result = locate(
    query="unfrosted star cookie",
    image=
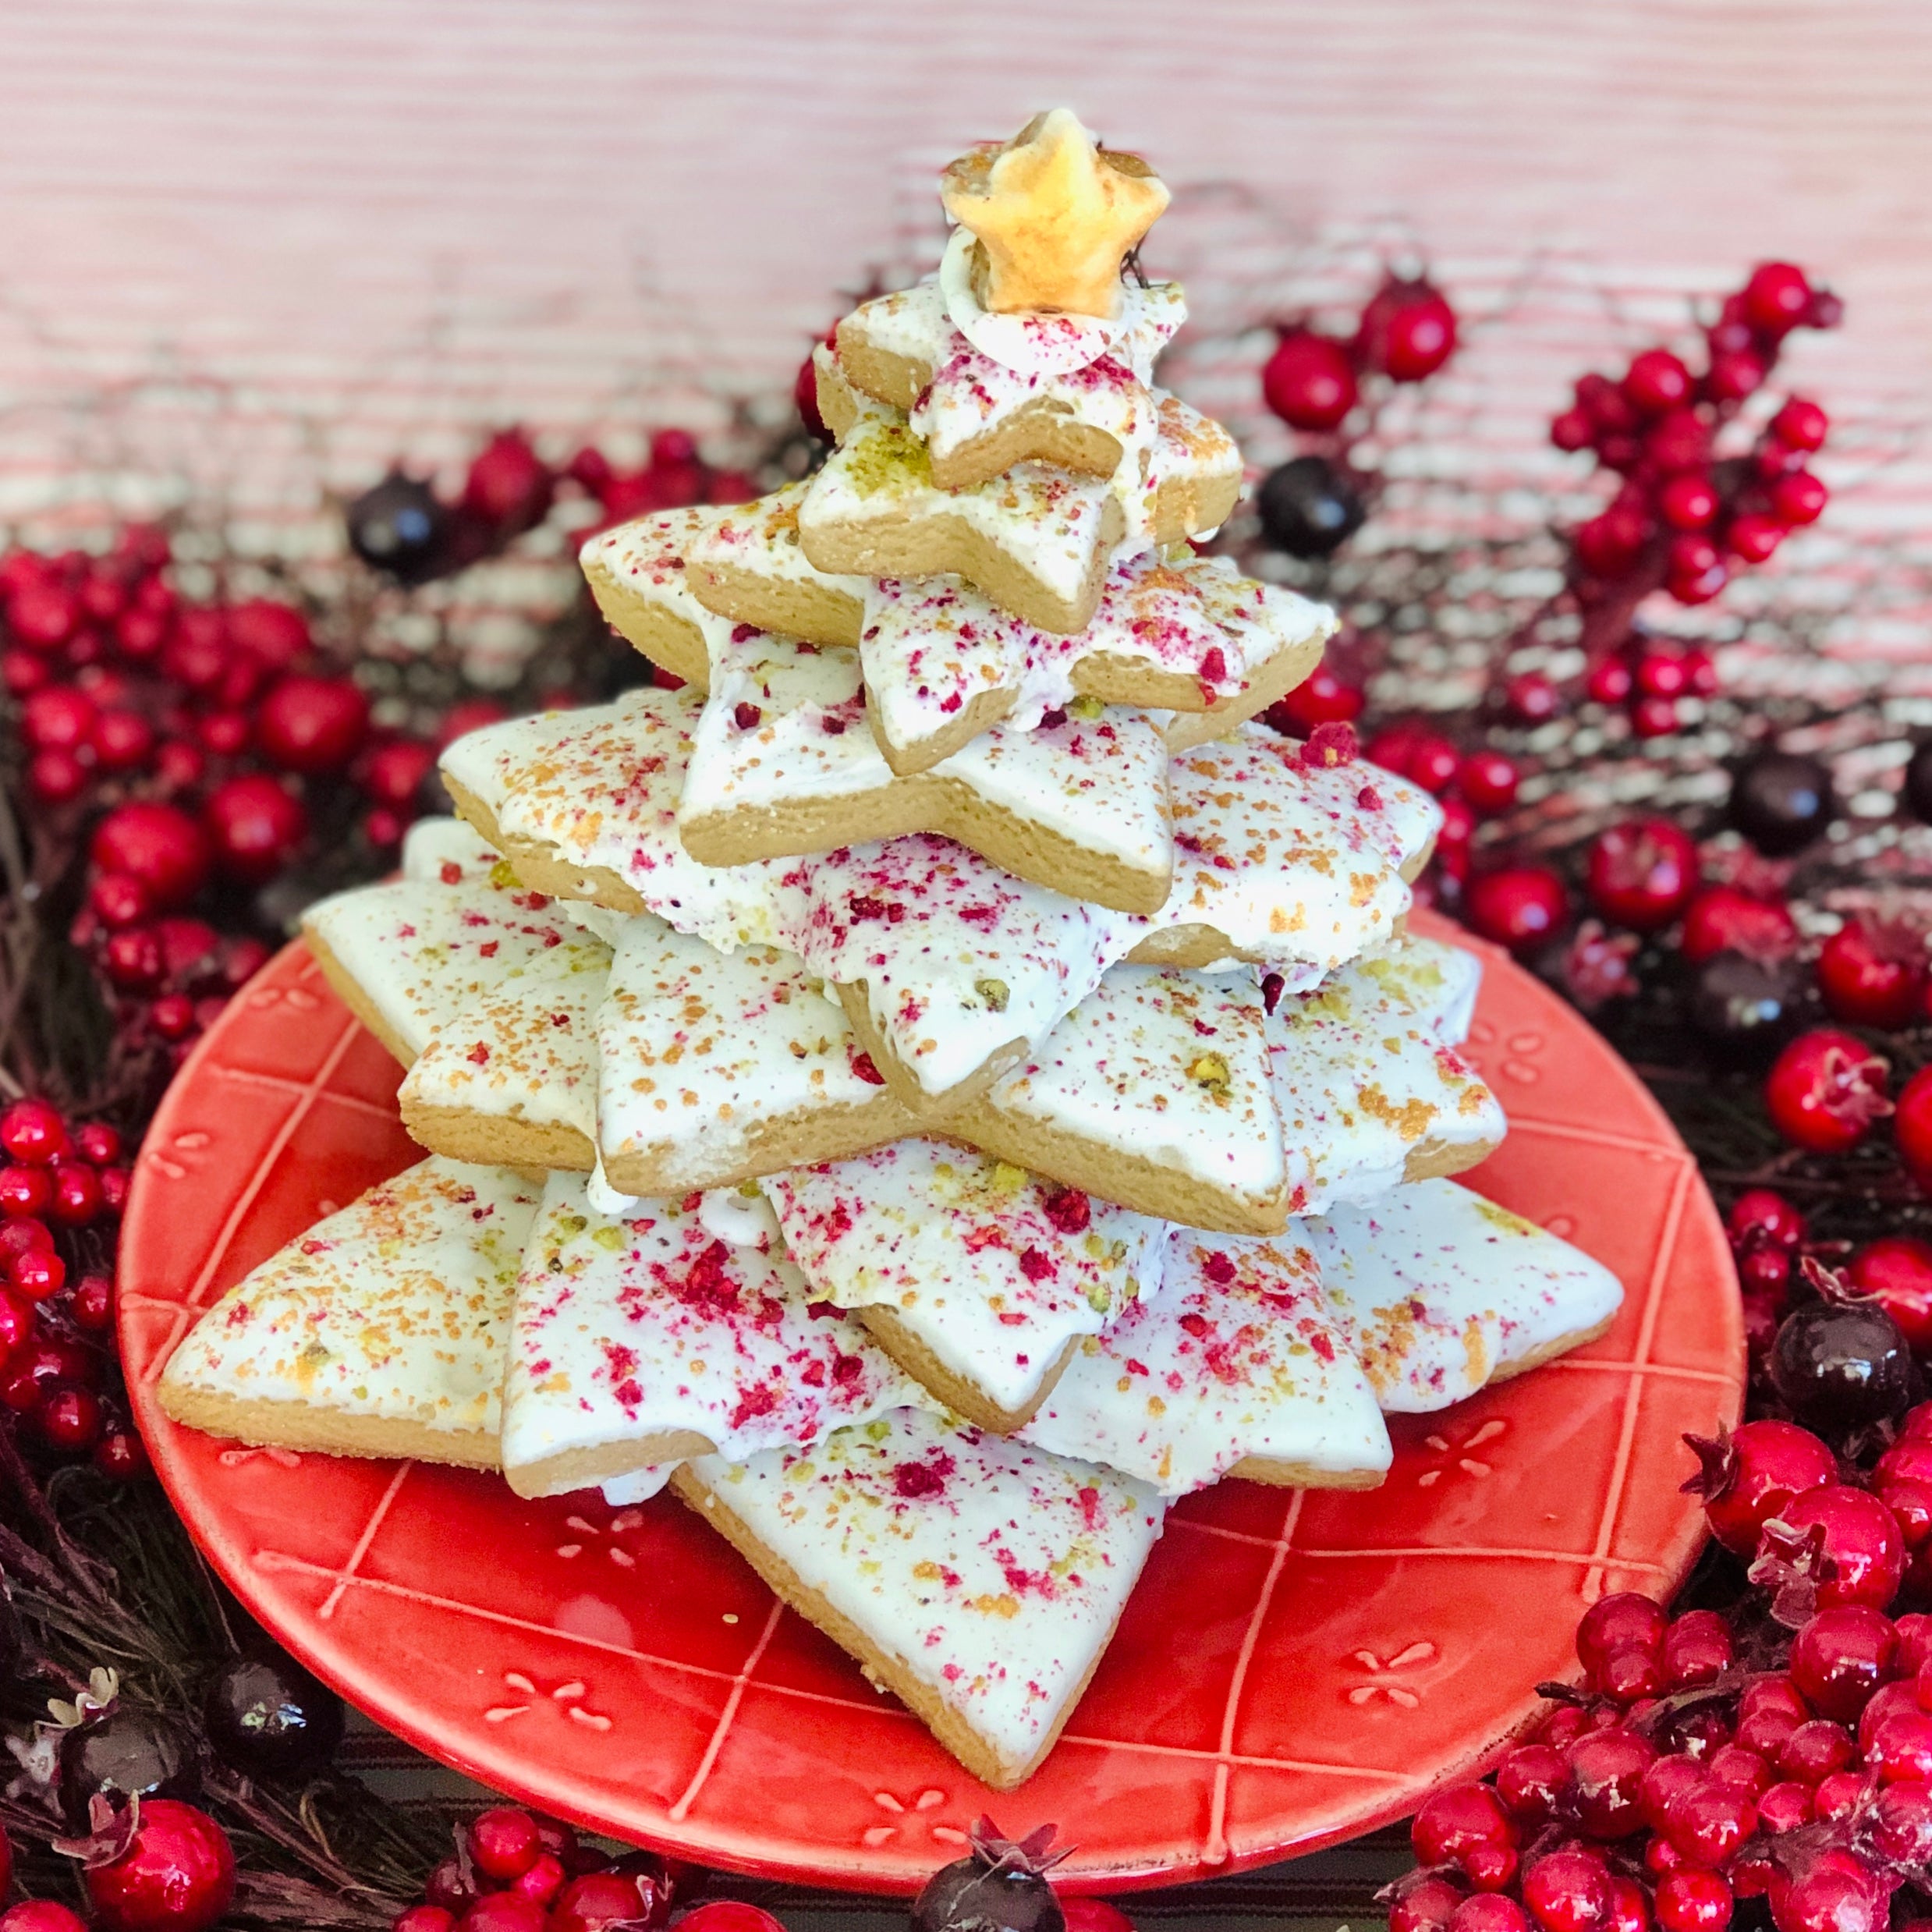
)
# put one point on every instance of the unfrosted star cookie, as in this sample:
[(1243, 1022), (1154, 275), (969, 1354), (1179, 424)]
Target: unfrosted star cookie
[(1236, 1369), (977, 1579), (951, 969), (486, 991), (783, 763), (720, 1067), (1370, 1091), (380, 1332), (640, 1340), (976, 1278), (1439, 1292)]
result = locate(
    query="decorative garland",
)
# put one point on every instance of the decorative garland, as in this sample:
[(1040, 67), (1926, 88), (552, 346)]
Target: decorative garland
[(181, 776)]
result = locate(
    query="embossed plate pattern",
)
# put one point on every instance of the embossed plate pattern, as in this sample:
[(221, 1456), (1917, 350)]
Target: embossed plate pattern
[(1295, 1667)]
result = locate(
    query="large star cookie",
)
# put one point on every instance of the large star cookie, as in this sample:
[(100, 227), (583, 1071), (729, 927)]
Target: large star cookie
[(487, 992), (951, 969), (979, 1279), (783, 763), (380, 1332), (977, 1579), (1439, 1292), (643, 1340), (1236, 1369)]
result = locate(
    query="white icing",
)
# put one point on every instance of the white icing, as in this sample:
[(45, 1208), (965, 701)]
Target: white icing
[(1288, 864), (602, 1198), (1170, 1065), (397, 1308), (621, 1492), (648, 554), (1052, 345), (786, 724), (1435, 1289), (1187, 447), (628, 1329), (762, 536), (698, 1047), (741, 1216), (445, 851), (992, 1269), (991, 1573), (1363, 1078), (1238, 1357)]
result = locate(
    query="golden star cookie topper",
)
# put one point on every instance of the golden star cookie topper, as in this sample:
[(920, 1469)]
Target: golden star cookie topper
[(1056, 215)]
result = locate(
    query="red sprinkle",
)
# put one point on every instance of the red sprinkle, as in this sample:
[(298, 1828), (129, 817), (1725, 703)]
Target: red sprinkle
[(1036, 1266), (747, 717), (1218, 1267), (1330, 744), (862, 1065), (480, 1055), (1069, 1210)]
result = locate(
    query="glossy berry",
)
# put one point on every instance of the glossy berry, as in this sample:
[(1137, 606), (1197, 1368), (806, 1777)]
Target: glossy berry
[(1308, 381), (1642, 874), (1532, 699), (124, 1752), (1606, 1778), (1710, 1823), (40, 1915), (1693, 1901), (312, 725), (1456, 1821), (70, 1421), (503, 1841), (1625, 1620), (1309, 507), (1815, 1750), (504, 1912), (1488, 1911), (508, 487), (1862, 1543), (32, 1131), (399, 526), (1838, 1659), (1568, 1891), (1722, 918), (1769, 1708), (1657, 381), (254, 826), (1798, 499), (1752, 1475), (1873, 976), (1825, 1091), (1688, 501), (998, 1886), (422, 1918), (1760, 1217), (122, 1456), (1896, 1271), (1781, 801), (158, 844), (1488, 781), (1840, 1366), (1696, 1649), (1911, 1126), (1528, 1782), (1425, 1902), (598, 1899), (1785, 1807), (268, 1718), (1777, 298), (1520, 906), (76, 1199)]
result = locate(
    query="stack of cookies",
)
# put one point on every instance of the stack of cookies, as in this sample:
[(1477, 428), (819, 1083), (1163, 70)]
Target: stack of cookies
[(941, 1083)]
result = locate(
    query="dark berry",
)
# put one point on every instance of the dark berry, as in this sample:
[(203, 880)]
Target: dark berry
[(1309, 507), (124, 1752), (400, 527), (1917, 792), (998, 1886), (1745, 1008), (266, 1717), (1781, 801), (1840, 1365)]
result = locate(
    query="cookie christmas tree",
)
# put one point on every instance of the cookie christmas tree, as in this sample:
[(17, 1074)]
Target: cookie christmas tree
[(986, 1088)]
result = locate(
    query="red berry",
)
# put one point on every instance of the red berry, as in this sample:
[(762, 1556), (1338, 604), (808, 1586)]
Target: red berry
[(1661, 674), (274, 635), (37, 1275), (1696, 1648), (1707, 1825), (1753, 537), (1308, 381), (1568, 1891), (1912, 1128), (600, 1899), (1721, 918), (1490, 1867), (42, 615), (1453, 1821), (1627, 1675), (1528, 1781), (1667, 1781), (542, 1881), (1776, 300), (1785, 1807), (1609, 681), (23, 672), (1842, 1792), (91, 1304), (1761, 1216), (312, 725), (1900, 1825), (1573, 430), (56, 777), (1625, 1620), (1739, 1769), (1657, 381), (1815, 1750), (25, 1191), (1607, 543), (1407, 331), (1687, 500), (1532, 699), (39, 1915), (121, 1454), (1606, 1779), (1519, 907), (450, 1887), (177, 1875), (159, 845), (1432, 762), (97, 1142), (423, 1919), (255, 826), (1694, 1901), (32, 1131), (1883, 1704), (1798, 499), (1824, 1091), (1653, 717), (728, 1915), (509, 486), (1642, 874), (121, 740), (69, 1420), (395, 772), (503, 1841), (59, 718), (1801, 425), (76, 1194), (1680, 439), (1486, 1911), (1861, 1540), (1426, 1904), (1488, 780), (1735, 373), (504, 1912), (1901, 1748), (1321, 698), (1896, 1271)]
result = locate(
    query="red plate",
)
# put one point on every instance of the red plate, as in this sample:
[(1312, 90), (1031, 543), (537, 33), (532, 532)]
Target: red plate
[(1294, 1668)]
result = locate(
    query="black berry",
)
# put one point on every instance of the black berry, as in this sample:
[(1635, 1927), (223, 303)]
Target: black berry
[(268, 1717), (1841, 1365), (1309, 507), (399, 526), (128, 1753), (1781, 801), (999, 1886), (1918, 786), (1744, 1006)]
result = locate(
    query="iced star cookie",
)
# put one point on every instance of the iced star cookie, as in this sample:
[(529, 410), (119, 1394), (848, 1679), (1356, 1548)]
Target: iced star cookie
[(1155, 1090), (638, 574), (978, 1579), (640, 1340), (720, 1067), (1369, 1092), (517, 982), (1237, 1369), (783, 763), (950, 968), (380, 1332), (977, 1278), (443, 851), (1438, 1293)]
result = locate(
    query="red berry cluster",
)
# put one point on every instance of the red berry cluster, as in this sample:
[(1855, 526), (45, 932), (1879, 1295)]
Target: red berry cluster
[(1651, 677), (1473, 786), (1312, 381), (515, 1872), (673, 477), (1698, 1770), (57, 1368), (1684, 517)]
